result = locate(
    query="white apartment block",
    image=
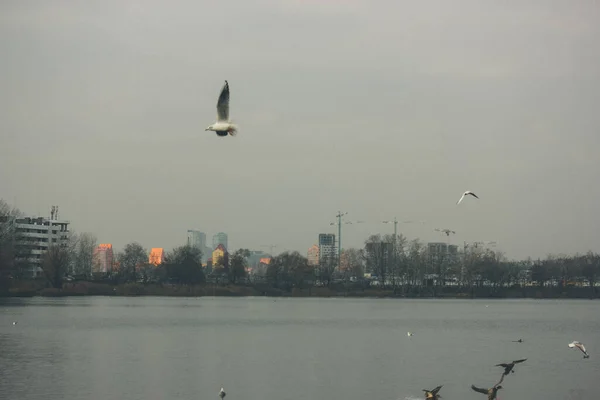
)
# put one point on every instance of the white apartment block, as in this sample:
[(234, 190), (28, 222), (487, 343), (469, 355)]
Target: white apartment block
[(34, 235)]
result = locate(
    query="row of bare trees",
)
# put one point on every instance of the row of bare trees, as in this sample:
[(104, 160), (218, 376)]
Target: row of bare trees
[(393, 259)]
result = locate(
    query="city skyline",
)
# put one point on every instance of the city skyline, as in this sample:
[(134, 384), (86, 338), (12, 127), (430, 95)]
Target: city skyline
[(103, 105)]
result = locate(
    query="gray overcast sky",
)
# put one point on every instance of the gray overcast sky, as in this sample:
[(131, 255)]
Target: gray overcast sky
[(378, 108)]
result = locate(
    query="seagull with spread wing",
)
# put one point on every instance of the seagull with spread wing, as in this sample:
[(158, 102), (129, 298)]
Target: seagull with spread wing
[(508, 367), (467, 193), (492, 392), (223, 126), (433, 394), (222, 393), (580, 346)]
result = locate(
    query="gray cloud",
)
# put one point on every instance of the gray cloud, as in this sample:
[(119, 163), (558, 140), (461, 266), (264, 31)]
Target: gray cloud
[(377, 108)]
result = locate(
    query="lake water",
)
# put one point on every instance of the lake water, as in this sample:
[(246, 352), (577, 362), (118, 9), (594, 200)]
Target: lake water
[(102, 348)]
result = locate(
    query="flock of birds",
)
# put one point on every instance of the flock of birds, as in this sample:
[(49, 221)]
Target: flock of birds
[(224, 126), (509, 368), (492, 392)]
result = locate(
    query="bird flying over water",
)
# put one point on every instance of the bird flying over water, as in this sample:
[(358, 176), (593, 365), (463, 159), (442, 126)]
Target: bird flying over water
[(580, 346), (467, 193), (508, 368), (222, 393), (223, 126), (491, 392), (432, 394)]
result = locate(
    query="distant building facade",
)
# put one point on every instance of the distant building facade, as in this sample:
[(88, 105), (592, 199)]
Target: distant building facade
[(313, 255), (327, 250), (220, 238), (157, 256), (33, 237), (102, 259), (220, 254), (196, 239)]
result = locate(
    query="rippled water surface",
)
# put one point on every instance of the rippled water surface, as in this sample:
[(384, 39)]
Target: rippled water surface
[(101, 348)]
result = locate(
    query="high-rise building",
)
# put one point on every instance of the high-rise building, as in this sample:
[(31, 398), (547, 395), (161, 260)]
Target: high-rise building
[(313, 255), (196, 239), (327, 250), (34, 235), (219, 238), (102, 260), (157, 255)]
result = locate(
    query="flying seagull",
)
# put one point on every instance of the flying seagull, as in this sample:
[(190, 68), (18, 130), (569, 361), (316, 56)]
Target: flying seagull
[(518, 341), (432, 394), (222, 393), (508, 368), (491, 392), (581, 347), (468, 192), (223, 126), (408, 334)]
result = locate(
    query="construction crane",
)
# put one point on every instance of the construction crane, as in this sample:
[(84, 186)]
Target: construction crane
[(271, 247)]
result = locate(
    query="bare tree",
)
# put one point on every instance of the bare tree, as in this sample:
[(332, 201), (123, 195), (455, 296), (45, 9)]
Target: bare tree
[(55, 264), (130, 259), (355, 259), (378, 255), (84, 254), (238, 265), (9, 252), (326, 269), (591, 269)]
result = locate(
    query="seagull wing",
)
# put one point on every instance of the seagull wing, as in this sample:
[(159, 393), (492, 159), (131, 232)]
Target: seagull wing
[(480, 390), (223, 104), (503, 365), (461, 198), (473, 194), (581, 347), (500, 381), (437, 389), (519, 361)]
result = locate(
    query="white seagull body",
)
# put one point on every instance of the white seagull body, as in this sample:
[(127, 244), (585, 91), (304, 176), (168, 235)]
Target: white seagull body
[(223, 126), (222, 393), (580, 346), (409, 334), (467, 193)]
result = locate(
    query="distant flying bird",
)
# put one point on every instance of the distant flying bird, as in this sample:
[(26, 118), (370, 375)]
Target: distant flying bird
[(518, 341), (408, 334), (491, 392), (581, 347), (468, 192), (432, 394), (223, 126), (508, 368), (222, 393), (446, 231)]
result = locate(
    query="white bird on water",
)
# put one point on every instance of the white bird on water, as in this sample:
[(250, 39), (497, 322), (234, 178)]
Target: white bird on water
[(467, 193), (222, 393), (580, 346), (223, 126)]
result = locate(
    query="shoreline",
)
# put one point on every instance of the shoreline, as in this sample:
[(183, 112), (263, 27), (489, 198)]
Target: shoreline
[(85, 288)]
